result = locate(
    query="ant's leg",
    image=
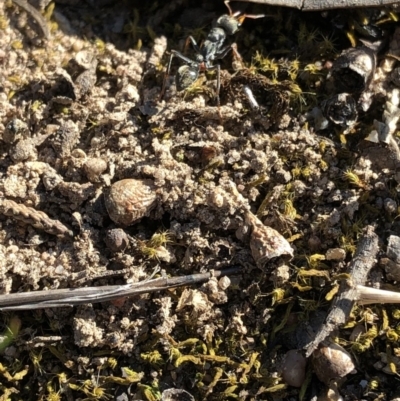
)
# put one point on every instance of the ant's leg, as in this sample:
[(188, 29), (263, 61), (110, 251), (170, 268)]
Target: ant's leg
[(237, 63), (174, 53), (187, 60), (251, 16), (194, 44), (235, 52), (166, 75), (218, 84), (217, 67), (244, 16), (222, 53), (228, 7)]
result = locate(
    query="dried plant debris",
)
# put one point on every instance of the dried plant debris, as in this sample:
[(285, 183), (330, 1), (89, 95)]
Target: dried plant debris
[(354, 70), (34, 217), (341, 109), (105, 185)]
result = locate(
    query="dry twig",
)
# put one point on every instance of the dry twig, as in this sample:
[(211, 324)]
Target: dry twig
[(359, 268), (78, 296), (35, 14), (36, 218)]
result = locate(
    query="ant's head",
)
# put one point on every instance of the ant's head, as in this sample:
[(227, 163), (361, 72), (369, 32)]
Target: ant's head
[(186, 76), (229, 23)]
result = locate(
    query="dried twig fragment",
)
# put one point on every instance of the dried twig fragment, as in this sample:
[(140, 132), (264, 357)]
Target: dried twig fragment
[(354, 69), (36, 218), (368, 295), (65, 138), (359, 269), (35, 14), (265, 242), (340, 109), (78, 296)]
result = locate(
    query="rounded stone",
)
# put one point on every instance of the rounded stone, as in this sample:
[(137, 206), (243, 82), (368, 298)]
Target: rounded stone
[(129, 200)]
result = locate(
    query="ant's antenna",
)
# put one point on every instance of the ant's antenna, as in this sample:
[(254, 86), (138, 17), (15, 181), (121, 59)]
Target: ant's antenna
[(242, 17)]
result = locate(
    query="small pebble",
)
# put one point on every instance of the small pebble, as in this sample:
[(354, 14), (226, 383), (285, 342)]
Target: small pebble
[(358, 330), (224, 283), (129, 200), (335, 254), (116, 240), (331, 362), (294, 368), (390, 205), (314, 243), (94, 167), (174, 394)]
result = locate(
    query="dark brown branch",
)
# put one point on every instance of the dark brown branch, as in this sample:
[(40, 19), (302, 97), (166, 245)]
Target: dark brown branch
[(78, 296), (359, 268)]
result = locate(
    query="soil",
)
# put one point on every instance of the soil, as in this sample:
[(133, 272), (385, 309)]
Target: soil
[(280, 181)]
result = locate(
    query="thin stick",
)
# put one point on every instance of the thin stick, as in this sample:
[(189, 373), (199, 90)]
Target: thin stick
[(78, 296), (359, 268), (368, 295)]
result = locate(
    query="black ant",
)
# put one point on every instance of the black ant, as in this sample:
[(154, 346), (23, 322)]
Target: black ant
[(212, 49)]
